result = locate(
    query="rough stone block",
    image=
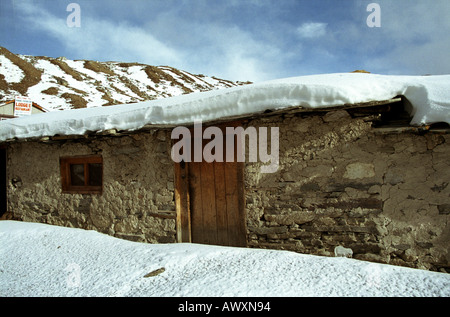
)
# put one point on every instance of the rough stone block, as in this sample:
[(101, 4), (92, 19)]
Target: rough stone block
[(268, 230), (444, 209), (292, 218), (340, 251), (337, 115), (359, 171)]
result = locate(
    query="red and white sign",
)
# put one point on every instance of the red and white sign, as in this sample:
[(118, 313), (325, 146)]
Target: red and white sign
[(22, 106)]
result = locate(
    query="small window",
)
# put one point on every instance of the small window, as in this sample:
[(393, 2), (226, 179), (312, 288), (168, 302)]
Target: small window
[(82, 174)]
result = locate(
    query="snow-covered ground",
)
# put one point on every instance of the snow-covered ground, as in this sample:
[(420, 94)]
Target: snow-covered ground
[(44, 260)]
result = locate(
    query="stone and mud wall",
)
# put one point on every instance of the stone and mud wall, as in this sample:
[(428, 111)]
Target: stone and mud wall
[(341, 184), (137, 199)]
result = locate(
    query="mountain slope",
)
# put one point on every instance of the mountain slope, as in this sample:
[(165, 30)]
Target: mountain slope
[(59, 83)]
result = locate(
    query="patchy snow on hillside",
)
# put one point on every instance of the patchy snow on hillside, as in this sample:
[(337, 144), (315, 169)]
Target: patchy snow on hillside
[(12, 73), (61, 84), (429, 96), (44, 260)]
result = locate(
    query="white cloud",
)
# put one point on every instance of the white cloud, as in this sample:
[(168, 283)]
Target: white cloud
[(312, 29), (412, 40), (102, 39), (413, 37), (417, 34), (223, 51), (237, 54)]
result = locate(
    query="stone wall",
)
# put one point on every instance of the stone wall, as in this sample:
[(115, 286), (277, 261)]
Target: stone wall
[(340, 183), (137, 199)]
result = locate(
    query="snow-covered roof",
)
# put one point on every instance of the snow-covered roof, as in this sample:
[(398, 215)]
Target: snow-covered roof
[(428, 95)]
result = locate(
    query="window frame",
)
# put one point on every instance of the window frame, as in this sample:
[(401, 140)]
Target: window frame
[(66, 180)]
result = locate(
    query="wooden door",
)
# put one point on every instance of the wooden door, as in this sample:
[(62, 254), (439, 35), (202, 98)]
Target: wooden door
[(3, 180), (210, 200)]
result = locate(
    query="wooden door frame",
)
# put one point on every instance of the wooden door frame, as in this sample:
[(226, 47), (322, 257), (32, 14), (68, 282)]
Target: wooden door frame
[(4, 180), (182, 198), (182, 202)]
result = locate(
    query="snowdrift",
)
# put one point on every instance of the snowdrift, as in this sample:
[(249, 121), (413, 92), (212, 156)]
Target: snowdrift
[(429, 96), (44, 260)]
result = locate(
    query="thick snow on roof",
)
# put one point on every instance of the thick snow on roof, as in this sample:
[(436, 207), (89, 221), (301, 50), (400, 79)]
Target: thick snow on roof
[(429, 96)]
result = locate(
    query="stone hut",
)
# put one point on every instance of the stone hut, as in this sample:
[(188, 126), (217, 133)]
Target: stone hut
[(357, 176)]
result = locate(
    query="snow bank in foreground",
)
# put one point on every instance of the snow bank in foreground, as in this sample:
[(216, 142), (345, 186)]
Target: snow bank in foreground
[(44, 260), (429, 95)]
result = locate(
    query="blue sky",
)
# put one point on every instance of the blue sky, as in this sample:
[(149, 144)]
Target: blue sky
[(252, 40)]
